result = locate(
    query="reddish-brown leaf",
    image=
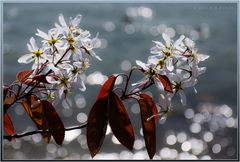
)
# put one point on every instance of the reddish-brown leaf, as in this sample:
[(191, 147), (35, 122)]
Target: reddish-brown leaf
[(8, 126), (107, 87), (166, 82), (40, 78), (8, 101), (152, 106), (97, 124), (55, 124), (34, 109), (149, 127), (120, 122), (23, 75)]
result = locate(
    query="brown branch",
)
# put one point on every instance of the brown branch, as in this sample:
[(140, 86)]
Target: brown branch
[(128, 79), (10, 137), (33, 87)]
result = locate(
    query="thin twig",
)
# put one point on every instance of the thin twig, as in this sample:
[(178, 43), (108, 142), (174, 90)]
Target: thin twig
[(33, 87), (133, 93), (128, 79), (10, 137)]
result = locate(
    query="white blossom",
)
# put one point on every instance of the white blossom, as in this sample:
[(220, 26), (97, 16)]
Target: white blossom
[(178, 61), (63, 56)]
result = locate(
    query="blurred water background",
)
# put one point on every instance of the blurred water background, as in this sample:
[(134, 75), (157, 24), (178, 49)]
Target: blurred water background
[(205, 129)]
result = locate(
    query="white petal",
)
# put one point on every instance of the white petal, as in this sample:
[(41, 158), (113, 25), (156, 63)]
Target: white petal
[(77, 55), (94, 55), (57, 26), (155, 57), (159, 85), (179, 41), (195, 73), (29, 47), (173, 77), (182, 97), (167, 39), (202, 70), (62, 20), (65, 66), (85, 34), (141, 64), (169, 64), (78, 64), (157, 49), (159, 43), (53, 32), (95, 42), (26, 58), (33, 44), (60, 92), (189, 83), (51, 80), (152, 60), (53, 68), (98, 57), (43, 35), (81, 84), (76, 20), (202, 57), (189, 43)]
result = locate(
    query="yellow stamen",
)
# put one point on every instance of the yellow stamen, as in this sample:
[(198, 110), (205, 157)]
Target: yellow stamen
[(37, 53), (52, 41)]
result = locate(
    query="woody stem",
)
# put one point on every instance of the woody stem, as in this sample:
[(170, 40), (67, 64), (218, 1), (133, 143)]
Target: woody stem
[(10, 137)]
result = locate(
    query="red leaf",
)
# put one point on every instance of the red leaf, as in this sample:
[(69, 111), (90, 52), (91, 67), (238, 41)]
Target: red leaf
[(152, 106), (166, 82), (40, 78), (23, 75), (55, 124), (8, 126), (149, 127), (8, 101), (34, 109), (97, 124), (120, 122), (107, 87)]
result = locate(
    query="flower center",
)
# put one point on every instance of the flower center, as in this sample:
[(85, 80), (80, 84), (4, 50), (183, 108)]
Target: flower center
[(195, 56), (52, 41), (75, 70), (63, 81), (178, 86), (161, 63), (167, 52), (37, 53), (70, 40), (151, 72), (85, 64)]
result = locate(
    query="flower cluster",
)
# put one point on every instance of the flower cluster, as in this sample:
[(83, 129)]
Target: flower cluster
[(174, 63), (63, 56)]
